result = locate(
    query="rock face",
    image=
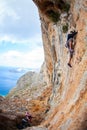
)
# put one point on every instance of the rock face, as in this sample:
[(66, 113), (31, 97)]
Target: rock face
[(30, 94), (57, 96), (69, 96)]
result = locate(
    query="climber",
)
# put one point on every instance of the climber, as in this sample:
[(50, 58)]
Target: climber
[(70, 44), (27, 120)]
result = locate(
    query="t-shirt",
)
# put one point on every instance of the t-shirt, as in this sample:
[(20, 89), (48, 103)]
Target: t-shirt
[(71, 35)]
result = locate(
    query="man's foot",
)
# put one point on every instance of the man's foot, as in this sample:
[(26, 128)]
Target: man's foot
[(69, 65)]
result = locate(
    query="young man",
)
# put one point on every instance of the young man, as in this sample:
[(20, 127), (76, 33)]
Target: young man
[(70, 44), (28, 117), (27, 120)]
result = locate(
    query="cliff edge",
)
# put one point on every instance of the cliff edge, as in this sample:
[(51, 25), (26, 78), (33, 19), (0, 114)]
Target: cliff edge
[(69, 96), (57, 96)]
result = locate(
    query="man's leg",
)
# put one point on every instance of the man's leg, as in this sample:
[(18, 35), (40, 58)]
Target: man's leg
[(71, 52), (70, 58), (24, 122)]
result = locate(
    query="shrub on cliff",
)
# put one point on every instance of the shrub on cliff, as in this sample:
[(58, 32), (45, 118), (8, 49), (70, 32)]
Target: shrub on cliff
[(53, 15), (65, 28), (63, 6)]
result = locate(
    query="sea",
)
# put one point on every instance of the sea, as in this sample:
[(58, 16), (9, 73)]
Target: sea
[(9, 77)]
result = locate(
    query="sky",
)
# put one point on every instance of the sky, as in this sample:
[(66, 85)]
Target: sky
[(20, 34)]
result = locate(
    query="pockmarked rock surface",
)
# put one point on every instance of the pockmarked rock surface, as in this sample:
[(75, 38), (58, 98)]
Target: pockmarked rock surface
[(68, 101), (30, 94), (57, 96)]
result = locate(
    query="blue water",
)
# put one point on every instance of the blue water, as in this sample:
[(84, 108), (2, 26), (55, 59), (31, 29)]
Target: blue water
[(8, 78)]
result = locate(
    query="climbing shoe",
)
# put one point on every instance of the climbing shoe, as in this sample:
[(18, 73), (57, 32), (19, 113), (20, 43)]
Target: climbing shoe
[(69, 65)]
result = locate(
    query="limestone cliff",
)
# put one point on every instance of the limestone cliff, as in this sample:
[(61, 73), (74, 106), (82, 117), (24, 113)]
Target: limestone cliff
[(57, 96), (30, 94), (69, 96)]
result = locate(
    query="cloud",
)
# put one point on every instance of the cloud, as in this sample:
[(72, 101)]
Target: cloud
[(11, 55), (19, 26), (36, 39), (6, 11), (32, 59), (18, 19)]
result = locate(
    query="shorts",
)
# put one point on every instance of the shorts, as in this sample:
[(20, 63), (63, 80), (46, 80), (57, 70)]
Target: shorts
[(70, 40)]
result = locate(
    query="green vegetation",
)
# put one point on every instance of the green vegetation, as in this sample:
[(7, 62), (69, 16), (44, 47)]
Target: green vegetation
[(66, 7), (63, 6), (65, 28), (59, 75), (54, 16)]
